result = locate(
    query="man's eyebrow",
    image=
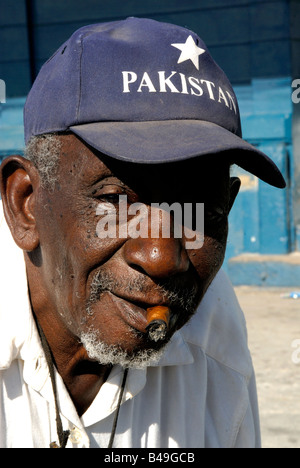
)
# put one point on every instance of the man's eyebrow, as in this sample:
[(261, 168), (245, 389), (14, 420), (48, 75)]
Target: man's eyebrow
[(108, 178), (98, 176)]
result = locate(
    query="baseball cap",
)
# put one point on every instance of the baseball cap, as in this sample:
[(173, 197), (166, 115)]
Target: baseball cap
[(142, 91)]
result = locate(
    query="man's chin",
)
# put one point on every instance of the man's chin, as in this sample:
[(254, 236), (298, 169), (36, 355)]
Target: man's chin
[(107, 354)]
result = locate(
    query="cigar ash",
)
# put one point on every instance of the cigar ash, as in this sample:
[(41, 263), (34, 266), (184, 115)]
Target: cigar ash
[(157, 330)]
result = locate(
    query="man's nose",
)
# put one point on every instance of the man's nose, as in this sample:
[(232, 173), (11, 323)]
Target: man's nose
[(158, 258)]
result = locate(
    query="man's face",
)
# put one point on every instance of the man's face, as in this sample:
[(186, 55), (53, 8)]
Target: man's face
[(99, 289)]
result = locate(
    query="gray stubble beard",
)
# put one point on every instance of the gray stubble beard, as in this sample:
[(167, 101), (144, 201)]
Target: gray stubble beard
[(106, 354)]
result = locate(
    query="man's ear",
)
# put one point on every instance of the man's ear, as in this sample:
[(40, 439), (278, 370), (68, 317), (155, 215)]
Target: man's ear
[(235, 184), (18, 178)]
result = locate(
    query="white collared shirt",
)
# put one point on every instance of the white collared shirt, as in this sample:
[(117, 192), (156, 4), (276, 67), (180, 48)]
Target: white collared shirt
[(202, 393)]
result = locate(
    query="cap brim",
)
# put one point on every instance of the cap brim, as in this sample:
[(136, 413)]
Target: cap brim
[(176, 140)]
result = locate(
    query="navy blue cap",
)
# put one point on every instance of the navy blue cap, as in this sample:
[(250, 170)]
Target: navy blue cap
[(142, 91)]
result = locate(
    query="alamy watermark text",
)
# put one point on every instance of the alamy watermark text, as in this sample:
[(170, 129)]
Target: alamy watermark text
[(136, 220), (296, 92), (2, 92)]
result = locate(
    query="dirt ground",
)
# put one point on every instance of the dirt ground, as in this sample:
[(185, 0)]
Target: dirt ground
[(274, 341)]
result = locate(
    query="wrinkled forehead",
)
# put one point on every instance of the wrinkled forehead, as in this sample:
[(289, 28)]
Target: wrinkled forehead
[(198, 171), (204, 174)]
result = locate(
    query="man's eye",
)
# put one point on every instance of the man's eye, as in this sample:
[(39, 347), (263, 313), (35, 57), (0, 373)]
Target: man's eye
[(215, 214), (113, 198)]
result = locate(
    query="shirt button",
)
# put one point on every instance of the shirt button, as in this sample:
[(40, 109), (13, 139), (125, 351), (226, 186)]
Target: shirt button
[(75, 435)]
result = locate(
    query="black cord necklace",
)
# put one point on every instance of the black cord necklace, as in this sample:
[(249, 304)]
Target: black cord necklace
[(63, 436), (114, 427)]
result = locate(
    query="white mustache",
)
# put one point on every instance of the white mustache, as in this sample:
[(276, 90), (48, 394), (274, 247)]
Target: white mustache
[(170, 290)]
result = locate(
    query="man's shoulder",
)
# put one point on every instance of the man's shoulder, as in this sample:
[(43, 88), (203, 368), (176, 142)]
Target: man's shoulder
[(219, 327)]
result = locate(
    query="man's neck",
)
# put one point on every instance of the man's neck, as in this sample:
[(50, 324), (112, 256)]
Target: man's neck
[(83, 378)]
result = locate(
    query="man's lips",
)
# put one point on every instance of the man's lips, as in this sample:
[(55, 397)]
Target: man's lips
[(132, 314)]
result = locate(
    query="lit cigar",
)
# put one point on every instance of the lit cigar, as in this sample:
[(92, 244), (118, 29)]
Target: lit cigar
[(158, 322)]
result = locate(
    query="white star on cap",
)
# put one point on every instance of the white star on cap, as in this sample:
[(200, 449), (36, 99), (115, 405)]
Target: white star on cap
[(189, 51)]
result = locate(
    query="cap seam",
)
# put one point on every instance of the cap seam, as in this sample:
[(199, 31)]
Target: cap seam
[(80, 79)]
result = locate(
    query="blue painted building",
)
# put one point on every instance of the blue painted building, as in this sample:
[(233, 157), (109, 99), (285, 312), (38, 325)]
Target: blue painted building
[(256, 42)]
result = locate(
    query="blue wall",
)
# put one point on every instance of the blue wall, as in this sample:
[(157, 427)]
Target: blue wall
[(262, 218), (11, 126), (262, 244)]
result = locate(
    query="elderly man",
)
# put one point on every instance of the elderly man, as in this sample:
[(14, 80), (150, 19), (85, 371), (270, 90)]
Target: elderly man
[(126, 114)]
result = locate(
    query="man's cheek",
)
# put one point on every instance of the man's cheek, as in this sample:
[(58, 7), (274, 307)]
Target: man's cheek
[(208, 259)]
